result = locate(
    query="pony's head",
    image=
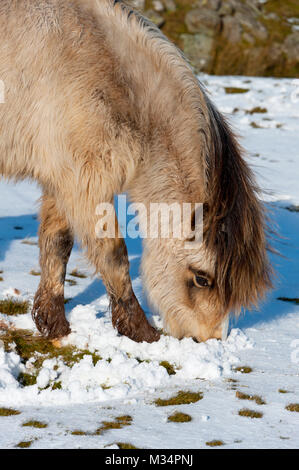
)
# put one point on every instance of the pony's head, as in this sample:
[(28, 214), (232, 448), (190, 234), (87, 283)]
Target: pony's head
[(196, 288)]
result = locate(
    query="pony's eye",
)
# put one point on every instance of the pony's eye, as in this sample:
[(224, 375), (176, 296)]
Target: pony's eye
[(201, 281)]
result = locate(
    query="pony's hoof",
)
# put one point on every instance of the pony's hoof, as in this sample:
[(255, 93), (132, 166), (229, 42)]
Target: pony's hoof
[(129, 319), (49, 317)]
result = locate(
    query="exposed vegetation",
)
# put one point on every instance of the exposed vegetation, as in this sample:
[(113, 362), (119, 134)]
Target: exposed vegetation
[(126, 445), (169, 367), (235, 90), (179, 418), (76, 273), (293, 407), (181, 398), (24, 444), (118, 423), (9, 412), (250, 413), (214, 443), (13, 306), (243, 369), (35, 273), (28, 346), (243, 396), (35, 424)]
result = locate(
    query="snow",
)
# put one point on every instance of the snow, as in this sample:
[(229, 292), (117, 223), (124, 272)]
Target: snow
[(129, 377)]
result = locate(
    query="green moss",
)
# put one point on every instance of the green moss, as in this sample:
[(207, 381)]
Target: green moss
[(56, 386), (77, 432), (243, 396), (294, 300), (30, 346), (214, 443), (169, 367), (243, 369), (181, 398), (235, 90), (126, 445), (250, 413), (119, 423), (293, 407), (26, 379), (281, 390), (9, 412), (35, 424), (76, 273), (257, 110), (179, 418), (254, 125), (14, 307), (24, 444), (71, 282), (35, 273)]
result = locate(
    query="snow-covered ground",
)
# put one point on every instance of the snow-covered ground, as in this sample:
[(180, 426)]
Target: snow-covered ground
[(129, 377)]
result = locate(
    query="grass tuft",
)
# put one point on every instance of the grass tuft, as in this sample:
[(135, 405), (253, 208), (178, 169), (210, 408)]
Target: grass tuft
[(215, 443), (126, 445), (169, 367), (243, 369), (243, 396), (179, 418), (181, 398), (24, 444), (119, 423), (293, 407), (250, 413), (76, 273), (9, 412), (35, 424), (235, 90), (12, 306)]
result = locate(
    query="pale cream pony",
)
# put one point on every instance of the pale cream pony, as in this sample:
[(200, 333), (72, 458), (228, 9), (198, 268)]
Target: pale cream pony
[(98, 102)]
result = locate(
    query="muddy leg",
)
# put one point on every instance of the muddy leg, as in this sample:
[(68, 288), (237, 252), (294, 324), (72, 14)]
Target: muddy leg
[(127, 315), (55, 242)]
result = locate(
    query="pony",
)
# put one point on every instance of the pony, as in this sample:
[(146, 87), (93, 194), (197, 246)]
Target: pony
[(98, 102)]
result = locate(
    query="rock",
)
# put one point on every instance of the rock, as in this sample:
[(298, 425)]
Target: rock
[(291, 46), (202, 20), (169, 5), (232, 30), (212, 4), (158, 6), (155, 17), (227, 8), (198, 49), (251, 25), (138, 4)]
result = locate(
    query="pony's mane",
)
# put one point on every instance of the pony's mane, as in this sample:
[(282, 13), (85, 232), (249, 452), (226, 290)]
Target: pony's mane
[(235, 222)]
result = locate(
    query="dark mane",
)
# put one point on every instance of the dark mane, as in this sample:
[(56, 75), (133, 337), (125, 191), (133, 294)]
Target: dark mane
[(235, 221)]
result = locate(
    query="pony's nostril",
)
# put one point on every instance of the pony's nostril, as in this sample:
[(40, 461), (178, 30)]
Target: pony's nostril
[(196, 340)]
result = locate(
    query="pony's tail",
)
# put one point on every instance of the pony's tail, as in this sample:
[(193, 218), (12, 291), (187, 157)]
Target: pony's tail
[(235, 220)]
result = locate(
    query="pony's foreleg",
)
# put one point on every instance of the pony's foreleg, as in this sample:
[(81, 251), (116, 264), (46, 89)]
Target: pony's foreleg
[(55, 242), (111, 258)]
